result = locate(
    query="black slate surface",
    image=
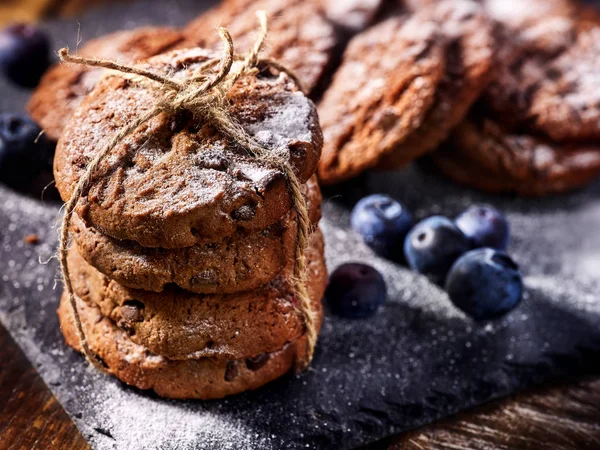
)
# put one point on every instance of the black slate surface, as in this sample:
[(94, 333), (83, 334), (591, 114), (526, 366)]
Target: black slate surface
[(417, 360)]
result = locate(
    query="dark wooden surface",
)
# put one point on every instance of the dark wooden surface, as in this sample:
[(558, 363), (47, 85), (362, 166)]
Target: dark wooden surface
[(563, 416), (32, 10), (30, 416)]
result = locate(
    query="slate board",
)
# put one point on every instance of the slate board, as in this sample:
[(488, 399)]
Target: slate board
[(417, 360)]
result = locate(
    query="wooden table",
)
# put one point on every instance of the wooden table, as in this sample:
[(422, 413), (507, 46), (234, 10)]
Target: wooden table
[(32, 10), (563, 416)]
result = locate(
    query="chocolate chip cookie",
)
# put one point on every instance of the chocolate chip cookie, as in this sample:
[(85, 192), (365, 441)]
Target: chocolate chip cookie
[(380, 94), (177, 181), (486, 156), (469, 64), (181, 325), (205, 378), (549, 85), (299, 35), (63, 87), (566, 105), (242, 261)]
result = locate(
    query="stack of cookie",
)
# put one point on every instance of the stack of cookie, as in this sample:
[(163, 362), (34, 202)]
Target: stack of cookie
[(183, 249), (536, 129)]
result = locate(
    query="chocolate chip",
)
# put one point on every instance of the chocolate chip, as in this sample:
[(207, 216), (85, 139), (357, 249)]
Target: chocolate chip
[(132, 311), (266, 72), (298, 150), (257, 362), (231, 371), (211, 160), (203, 278), (31, 239), (180, 121), (387, 119), (245, 212)]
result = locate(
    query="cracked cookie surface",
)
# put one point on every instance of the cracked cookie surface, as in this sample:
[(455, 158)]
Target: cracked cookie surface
[(470, 61), (379, 96), (177, 181), (546, 81)]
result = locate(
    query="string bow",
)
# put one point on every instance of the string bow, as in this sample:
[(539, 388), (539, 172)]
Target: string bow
[(203, 95)]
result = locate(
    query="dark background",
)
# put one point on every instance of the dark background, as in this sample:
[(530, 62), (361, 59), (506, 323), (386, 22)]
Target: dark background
[(417, 360)]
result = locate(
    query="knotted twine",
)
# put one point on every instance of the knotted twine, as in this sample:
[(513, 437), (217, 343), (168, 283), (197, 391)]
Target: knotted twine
[(204, 96)]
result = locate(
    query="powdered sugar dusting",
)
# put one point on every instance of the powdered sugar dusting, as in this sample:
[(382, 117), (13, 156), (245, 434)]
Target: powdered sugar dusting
[(519, 13), (579, 84), (174, 426), (288, 123), (354, 15)]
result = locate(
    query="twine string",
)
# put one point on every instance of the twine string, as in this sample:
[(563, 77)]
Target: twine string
[(205, 97)]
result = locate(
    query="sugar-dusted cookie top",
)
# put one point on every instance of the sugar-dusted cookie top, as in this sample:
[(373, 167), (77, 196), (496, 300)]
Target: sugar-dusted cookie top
[(299, 35), (177, 180), (64, 86), (380, 94), (352, 15), (521, 15), (566, 104), (547, 77)]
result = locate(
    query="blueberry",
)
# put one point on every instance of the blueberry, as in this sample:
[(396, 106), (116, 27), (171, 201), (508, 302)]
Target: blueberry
[(485, 283), (355, 291), (23, 153), (485, 226), (24, 54), (433, 245), (382, 222)]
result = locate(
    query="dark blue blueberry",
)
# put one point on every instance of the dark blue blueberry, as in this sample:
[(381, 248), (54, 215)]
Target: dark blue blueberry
[(355, 291), (23, 153), (485, 226), (382, 222), (24, 54), (485, 283), (433, 245)]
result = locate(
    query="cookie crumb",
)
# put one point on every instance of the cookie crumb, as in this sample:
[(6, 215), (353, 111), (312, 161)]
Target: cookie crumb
[(31, 239)]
